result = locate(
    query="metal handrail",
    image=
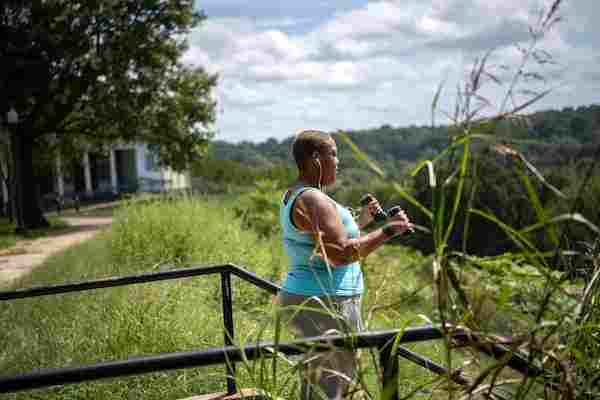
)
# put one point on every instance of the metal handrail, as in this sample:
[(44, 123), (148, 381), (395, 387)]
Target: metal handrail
[(228, 354), (225, 270), (141, 278), (254, 279)]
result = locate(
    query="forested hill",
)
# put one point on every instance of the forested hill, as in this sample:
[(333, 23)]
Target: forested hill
[(561, 145), (396, 147)]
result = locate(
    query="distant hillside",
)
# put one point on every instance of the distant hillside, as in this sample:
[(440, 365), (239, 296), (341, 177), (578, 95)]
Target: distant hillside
[(397, 147)]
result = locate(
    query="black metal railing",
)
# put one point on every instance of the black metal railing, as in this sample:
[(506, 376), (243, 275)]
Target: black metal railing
[(142, 278), (385, 341), (225, 270)]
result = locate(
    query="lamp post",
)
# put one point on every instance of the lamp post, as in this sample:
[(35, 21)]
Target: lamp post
[(12, 118)]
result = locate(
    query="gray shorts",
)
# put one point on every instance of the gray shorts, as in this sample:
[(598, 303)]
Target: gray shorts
[(327, 375)]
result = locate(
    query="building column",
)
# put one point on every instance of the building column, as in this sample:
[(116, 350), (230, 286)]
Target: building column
[(87, 173), (114, 182), (140, 174), (59, 177)]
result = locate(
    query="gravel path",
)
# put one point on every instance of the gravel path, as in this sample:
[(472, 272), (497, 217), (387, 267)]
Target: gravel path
[(27, 255)]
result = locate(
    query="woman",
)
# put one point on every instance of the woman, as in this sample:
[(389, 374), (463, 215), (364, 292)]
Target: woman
[(323, 288)]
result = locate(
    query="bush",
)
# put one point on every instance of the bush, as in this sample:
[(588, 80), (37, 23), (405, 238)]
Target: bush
[(187, 230), (259, 210)]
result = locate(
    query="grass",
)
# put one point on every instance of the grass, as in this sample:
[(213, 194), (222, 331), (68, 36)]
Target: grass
[(119, 323), (181, 315), (148, 319), (123, 322), (8, 237)]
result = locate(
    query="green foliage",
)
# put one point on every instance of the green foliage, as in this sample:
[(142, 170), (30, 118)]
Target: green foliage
[(259, 209), (552, 137), (112, 62), (466, 198), (174, 232), (494, 183), (182, 315), (101, 72), (230, 172), (480, 189), (153, 318)]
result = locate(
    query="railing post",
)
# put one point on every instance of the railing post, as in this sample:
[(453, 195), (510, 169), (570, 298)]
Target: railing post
[(228, 325), (389, 365)]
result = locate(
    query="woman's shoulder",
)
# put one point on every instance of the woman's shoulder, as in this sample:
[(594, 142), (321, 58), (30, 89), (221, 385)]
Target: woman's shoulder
[(300, 190), (315, 198), (296, 191)]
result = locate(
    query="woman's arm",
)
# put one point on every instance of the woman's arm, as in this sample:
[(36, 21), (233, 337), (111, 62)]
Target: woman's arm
[(314, 212)]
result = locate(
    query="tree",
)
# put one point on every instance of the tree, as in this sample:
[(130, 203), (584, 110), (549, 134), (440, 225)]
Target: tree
[(6, 177), (93, 72)]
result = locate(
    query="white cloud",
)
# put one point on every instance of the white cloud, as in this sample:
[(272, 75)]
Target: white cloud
[(379, 63), (376, 19), (272, 23)]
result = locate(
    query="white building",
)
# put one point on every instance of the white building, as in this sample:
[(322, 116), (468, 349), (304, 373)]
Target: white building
[(123, 168)]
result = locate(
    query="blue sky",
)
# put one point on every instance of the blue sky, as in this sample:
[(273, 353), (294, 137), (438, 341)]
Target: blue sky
[(292, 17), (285, 66)]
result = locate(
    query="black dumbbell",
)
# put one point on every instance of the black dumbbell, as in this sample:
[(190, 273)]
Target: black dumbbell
[(395, 210), (381, 215)]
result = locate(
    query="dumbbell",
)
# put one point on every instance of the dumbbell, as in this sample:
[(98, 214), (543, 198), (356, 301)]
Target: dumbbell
[(382, 215)]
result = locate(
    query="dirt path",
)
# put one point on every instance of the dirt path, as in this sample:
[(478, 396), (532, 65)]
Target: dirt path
[(27, 255)]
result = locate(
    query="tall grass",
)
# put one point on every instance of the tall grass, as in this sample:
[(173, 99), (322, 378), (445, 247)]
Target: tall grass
[(532, 296), (547, 315), (119, 323)]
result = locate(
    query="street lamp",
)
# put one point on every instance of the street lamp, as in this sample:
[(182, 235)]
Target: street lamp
[(12, 117)]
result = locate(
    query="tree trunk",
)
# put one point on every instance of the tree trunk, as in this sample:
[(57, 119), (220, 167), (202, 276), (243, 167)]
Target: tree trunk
[(28, 213), (8, 207), (8, 182)]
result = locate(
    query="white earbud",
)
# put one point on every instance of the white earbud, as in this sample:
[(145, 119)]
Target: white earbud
[(316, 157)]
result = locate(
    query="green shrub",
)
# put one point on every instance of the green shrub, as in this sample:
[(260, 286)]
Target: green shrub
[(259, 209)]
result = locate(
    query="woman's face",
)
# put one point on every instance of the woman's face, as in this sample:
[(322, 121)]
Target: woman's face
[(329, 162)]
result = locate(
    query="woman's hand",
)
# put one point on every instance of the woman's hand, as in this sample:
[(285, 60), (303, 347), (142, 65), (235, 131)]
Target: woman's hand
[(399, 222), (366, 213)]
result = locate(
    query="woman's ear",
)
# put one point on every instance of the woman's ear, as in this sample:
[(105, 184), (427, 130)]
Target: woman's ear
[(316, 159)]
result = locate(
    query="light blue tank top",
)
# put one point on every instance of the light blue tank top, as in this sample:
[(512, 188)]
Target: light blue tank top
[(313, 277)]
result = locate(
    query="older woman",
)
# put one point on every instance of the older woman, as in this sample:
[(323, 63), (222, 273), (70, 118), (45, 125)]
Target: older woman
[(323, 288)]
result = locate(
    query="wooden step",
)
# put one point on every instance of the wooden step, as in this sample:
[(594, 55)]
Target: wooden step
[(248, 394)]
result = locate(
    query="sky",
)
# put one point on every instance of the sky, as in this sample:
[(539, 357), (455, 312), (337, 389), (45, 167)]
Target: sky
[(285, 66)]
